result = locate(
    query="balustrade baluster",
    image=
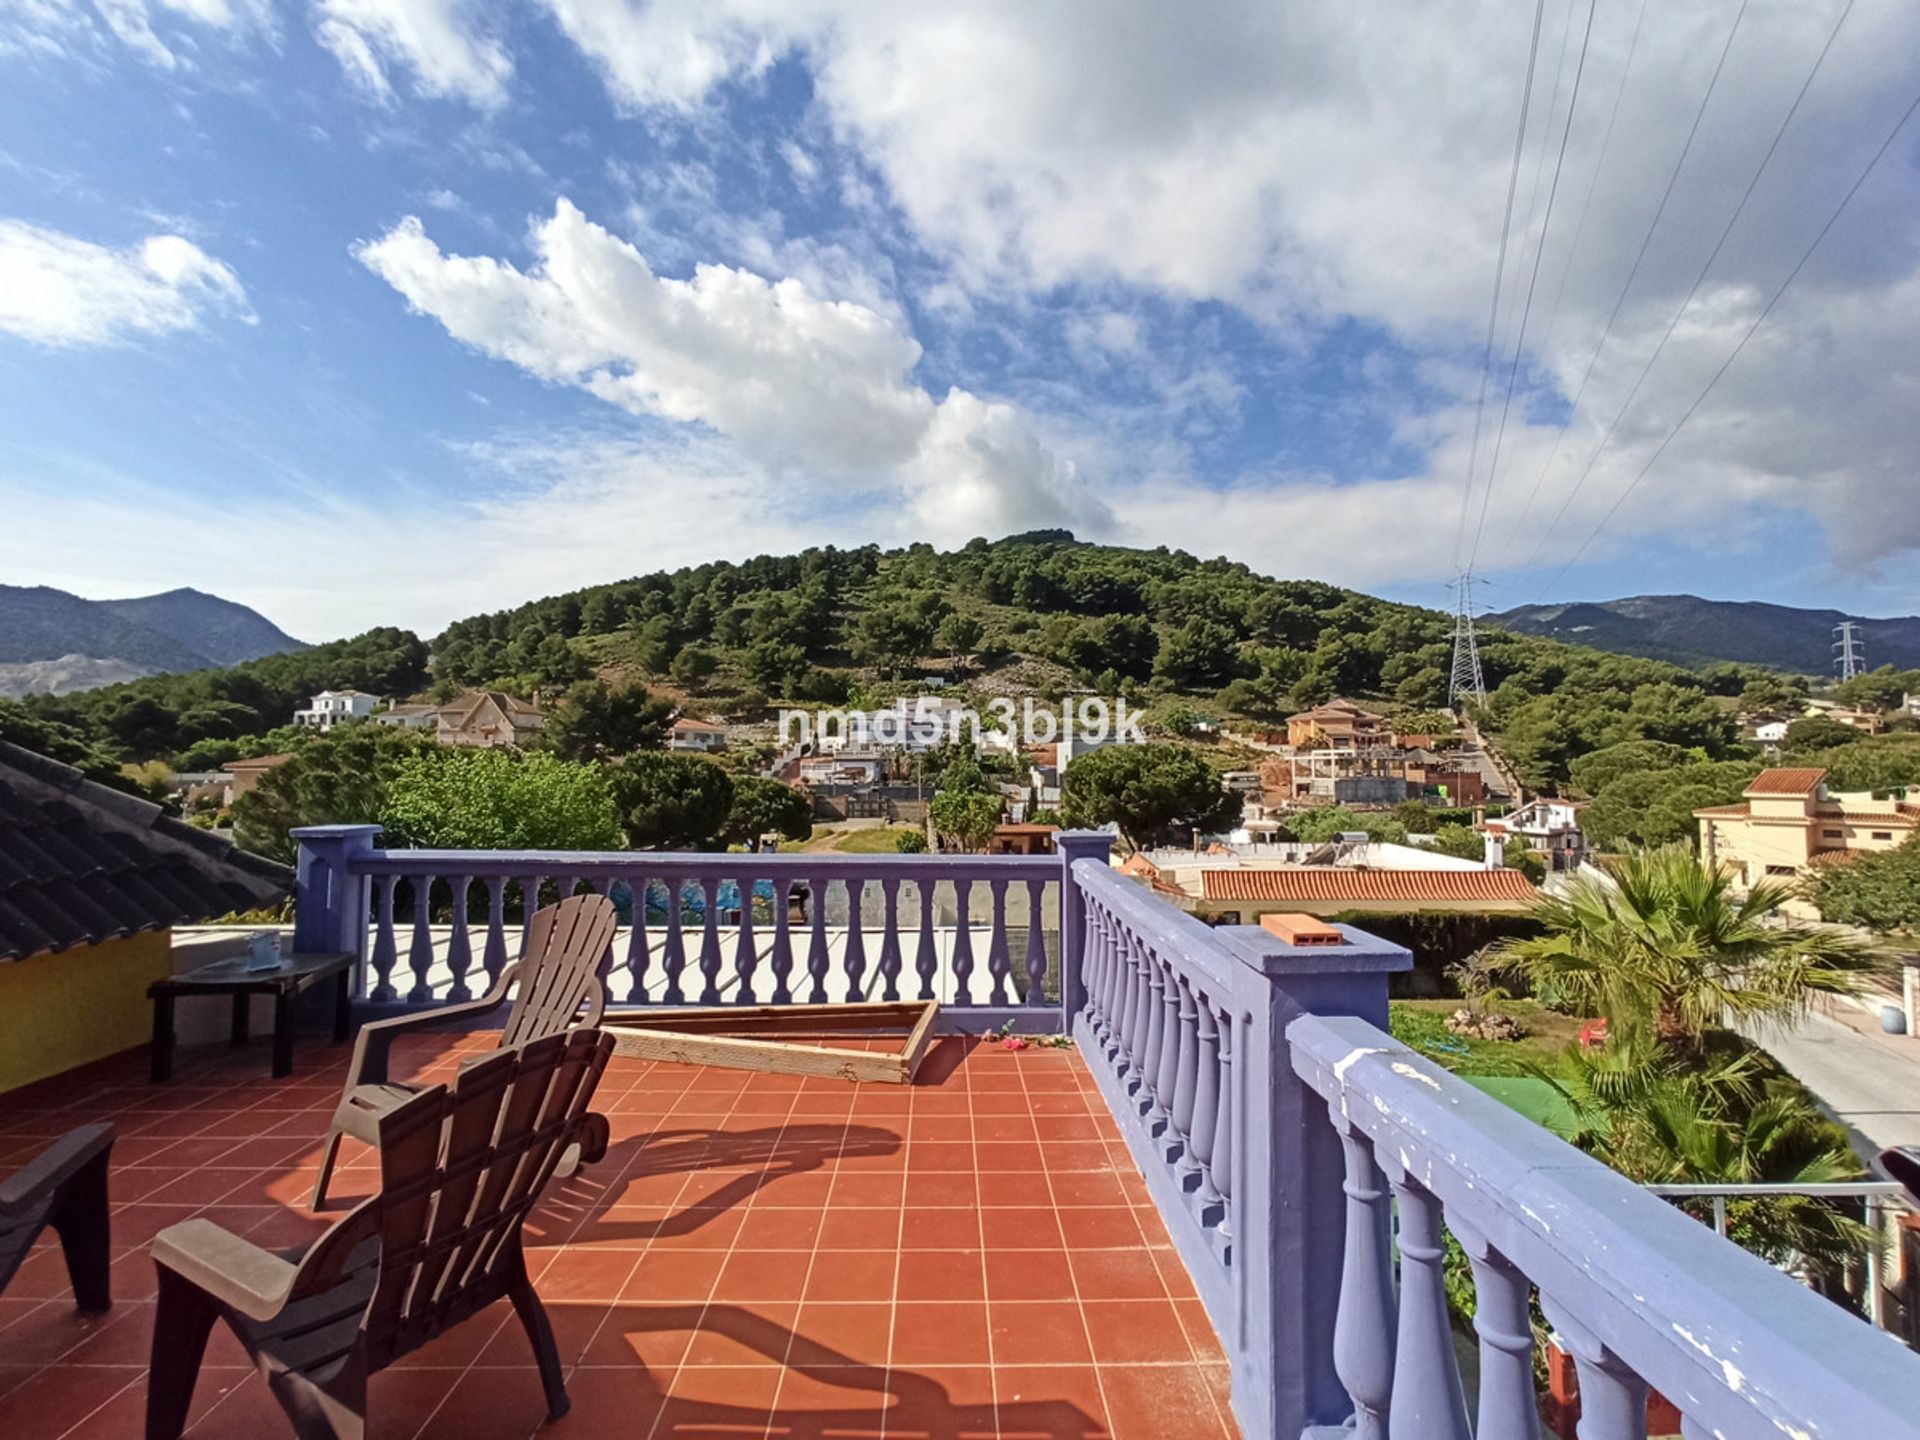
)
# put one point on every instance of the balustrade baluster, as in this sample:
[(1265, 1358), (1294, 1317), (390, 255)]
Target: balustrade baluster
[(817, 959), (674, 947), (1036, 945), (384, 950), (639, 951), (926, 963), (856, 952), (420, 951), (1134, 1027), (1204, 1127), (890, 941), (1220, 1167), (781, 962), (999, 959), (746, 957), (1613, 1400), (1427, 1399), (496, 955), (460, 945), (710, 940), (529, 902), (1112, 967), (1166, 1067), (962, 942), (1508, 1409), (1363, 1328), (1186, 1053)]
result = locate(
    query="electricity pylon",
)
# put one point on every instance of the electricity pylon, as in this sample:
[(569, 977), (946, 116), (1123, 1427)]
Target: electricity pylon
[(1850, 651), (1467, 682)]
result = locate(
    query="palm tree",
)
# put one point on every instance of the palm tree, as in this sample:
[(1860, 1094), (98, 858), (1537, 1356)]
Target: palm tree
[(1721, 1119), (1664, 940)]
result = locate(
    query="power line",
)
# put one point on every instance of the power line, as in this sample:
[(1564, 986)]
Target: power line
[(1700, 278), (1566, 273), (1499, 272), (1539, 250), (1639, 258), (1760, 320)]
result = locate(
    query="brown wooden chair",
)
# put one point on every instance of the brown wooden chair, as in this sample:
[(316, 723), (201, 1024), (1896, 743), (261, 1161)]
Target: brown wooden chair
[(460, 1167), (559, 986), (64, 1186)]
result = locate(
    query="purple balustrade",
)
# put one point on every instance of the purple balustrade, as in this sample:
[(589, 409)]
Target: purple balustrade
[(1641, 1295), (716, 929), (1308, 1168)]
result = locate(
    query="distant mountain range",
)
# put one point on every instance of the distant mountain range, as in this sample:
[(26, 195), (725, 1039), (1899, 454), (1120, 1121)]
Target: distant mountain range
[(1687, 630), (53, 641)]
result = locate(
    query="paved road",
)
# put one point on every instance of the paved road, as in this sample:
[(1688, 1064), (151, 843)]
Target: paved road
[(1870, 1081)]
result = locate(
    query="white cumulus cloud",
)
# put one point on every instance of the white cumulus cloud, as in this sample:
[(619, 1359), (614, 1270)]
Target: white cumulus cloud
[(805, 387), (56, 289), (443, 44)]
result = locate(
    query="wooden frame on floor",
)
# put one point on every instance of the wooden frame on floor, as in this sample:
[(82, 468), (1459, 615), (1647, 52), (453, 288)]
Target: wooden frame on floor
[(734, 1036)]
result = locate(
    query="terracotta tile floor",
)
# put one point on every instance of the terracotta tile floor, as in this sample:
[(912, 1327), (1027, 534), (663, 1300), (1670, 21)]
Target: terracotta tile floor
[(972, 1256)]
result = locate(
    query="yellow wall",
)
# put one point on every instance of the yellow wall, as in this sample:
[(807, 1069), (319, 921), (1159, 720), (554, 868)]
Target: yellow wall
[(59, 1011)]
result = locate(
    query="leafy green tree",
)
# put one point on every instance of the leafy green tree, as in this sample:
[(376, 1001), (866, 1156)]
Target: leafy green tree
[(598, 721), (959, 636), (458, 798), (778, 666), (341, 778), (1593, 772), (1200, 655), (1820, 732), (1767, 694), (59, 741), (964, 819), (1655, 807), (766, 807), (1876, 891), (1874, 762), (1316, 827), (668, 801), (1151, 792), (889, 637), (692, 667), (1665, 943), (1881, 689)]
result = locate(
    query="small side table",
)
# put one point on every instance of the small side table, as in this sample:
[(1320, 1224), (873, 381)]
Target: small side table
[(295, 975)]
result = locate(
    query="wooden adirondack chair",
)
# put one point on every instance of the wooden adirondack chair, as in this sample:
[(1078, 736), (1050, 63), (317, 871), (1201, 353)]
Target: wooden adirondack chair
[(64, 1186), (559, 977), (460, 1167)]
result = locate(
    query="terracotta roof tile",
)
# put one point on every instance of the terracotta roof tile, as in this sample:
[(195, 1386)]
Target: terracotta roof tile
[(1347, 883), (1802, 781), (81, 863), (1726, 811)]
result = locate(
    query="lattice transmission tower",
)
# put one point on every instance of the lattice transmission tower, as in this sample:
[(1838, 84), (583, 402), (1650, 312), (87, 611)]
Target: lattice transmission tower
[(1467, 681), (1849, 650)]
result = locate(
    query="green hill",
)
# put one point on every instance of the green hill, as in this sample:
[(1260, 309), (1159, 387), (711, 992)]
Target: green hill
[(1039, 614)]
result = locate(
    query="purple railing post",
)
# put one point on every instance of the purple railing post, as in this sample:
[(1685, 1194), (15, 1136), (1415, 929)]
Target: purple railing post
[(1288, 1173), (1072, 845), (330, 902)]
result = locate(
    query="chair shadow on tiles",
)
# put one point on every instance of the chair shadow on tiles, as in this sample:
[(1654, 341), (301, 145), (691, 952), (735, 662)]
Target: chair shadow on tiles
[(586, 1205), (824, 1393)]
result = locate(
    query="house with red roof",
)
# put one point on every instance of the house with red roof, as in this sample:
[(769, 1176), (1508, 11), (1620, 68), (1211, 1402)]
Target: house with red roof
[(1788, 822)]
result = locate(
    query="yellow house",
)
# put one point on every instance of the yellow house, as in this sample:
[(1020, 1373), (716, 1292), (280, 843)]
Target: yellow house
[(1788, 822), (91, 883)]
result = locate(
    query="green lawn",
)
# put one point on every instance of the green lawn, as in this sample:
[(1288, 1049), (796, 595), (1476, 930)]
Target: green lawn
[(871, 840)]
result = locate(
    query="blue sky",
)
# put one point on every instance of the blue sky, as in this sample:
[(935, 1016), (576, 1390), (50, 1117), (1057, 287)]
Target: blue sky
[(369, 311)]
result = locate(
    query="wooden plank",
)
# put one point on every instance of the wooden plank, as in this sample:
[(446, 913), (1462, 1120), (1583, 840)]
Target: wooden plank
[(918, 1039), (772, 1019), (688, 1037)]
